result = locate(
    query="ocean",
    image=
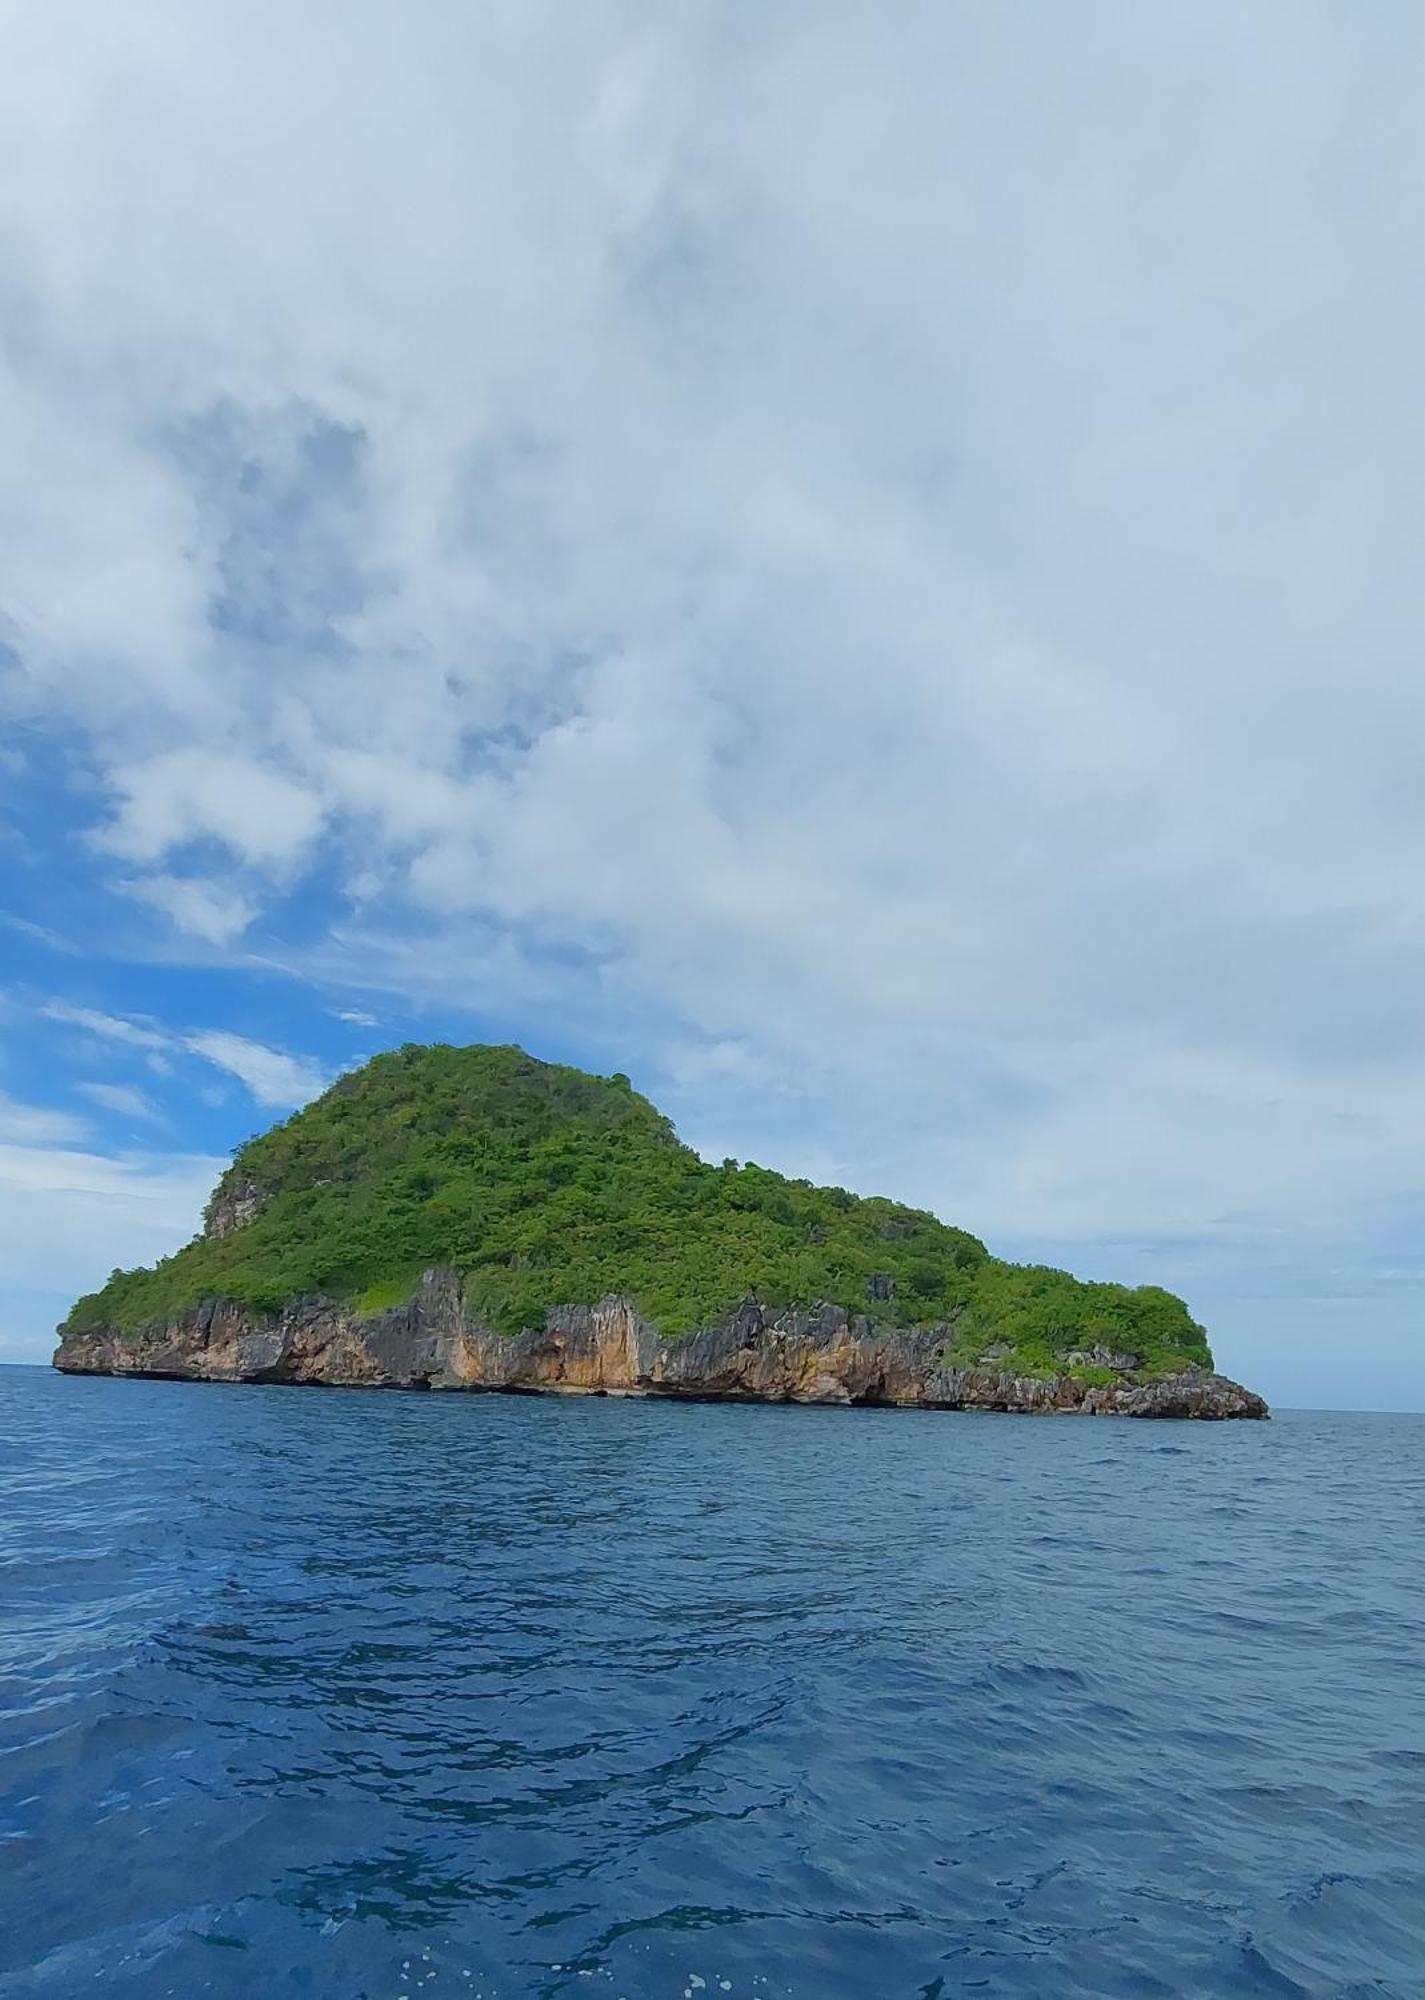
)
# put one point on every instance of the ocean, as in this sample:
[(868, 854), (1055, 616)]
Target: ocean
[(371, 1695)]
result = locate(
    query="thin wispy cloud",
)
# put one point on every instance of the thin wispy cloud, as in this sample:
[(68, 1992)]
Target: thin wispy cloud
[(107, 1027), (271, 1076), (41, 933), (70, 1214), (126, 1100), (37, 1125)]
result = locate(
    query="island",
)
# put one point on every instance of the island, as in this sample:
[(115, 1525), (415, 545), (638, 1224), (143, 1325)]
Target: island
[(473, 1218)]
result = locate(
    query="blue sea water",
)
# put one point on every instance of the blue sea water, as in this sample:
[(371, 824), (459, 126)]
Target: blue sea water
[(312, 1692)]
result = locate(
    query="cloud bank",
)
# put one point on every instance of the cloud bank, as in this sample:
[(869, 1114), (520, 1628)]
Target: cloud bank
[(887, 552)]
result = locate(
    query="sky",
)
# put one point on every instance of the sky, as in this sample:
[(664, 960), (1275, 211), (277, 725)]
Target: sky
[(858, 565)]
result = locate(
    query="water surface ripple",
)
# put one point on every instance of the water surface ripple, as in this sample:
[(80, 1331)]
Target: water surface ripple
[(305, 1692)]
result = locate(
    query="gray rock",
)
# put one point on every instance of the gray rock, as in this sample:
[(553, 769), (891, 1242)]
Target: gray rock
[(237, 1199)]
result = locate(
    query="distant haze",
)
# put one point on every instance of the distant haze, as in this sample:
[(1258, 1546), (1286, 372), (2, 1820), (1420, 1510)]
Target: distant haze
[(859, 566)]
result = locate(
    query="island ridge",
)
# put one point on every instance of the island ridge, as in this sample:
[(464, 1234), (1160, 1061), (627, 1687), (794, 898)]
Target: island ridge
[(474, 1218)]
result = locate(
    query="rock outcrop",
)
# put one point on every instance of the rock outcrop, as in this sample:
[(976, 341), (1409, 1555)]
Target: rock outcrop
[(236, 1201), (822, 1356)]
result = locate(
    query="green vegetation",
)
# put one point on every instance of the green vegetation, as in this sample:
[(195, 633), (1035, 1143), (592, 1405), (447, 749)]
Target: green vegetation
[(545, 1187)]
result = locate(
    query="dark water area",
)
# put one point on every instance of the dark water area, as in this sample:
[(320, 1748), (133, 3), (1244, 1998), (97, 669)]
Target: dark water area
[(311, 1692)]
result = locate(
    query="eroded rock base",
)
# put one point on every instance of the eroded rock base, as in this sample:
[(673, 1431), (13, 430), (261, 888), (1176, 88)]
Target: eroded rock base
[(823, 1356)]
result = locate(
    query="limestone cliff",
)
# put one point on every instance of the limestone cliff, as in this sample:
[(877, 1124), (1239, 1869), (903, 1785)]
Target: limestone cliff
[(437, 1342), (237, 1200)]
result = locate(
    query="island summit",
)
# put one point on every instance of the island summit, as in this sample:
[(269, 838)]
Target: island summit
[(471, 1218)]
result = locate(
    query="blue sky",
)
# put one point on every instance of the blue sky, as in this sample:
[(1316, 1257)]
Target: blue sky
[(862, 572)]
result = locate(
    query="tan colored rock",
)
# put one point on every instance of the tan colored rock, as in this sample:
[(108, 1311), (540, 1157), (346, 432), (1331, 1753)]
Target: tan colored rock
[(823, 1355)]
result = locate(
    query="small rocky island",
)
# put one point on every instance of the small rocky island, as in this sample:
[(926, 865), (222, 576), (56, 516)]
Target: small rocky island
[(471, 1218)]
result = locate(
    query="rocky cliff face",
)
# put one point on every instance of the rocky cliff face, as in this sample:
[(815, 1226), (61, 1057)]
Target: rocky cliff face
[(822, 1356), (236, 1201)]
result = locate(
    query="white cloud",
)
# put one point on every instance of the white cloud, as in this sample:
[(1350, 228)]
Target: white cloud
[(886, 553), (109, 1027), (36, 1125), (68, 1217), (124, 1098), (41, 933), (271, 1075), (194, 794), (211, 911)]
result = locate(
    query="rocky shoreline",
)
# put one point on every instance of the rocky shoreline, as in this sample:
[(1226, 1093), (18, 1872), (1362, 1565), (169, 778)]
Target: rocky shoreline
[(820, 1356)]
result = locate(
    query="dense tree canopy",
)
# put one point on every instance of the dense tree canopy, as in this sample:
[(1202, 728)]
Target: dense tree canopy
[(547, 1187)]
